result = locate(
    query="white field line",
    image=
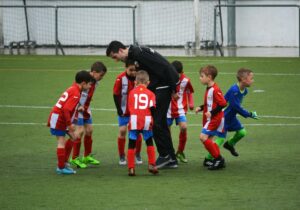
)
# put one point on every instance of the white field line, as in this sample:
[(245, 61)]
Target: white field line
[(114, 110), (191, 125)]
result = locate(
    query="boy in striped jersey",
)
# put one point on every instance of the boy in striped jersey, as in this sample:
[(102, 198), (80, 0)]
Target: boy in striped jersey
[(123, 85), (213, 116), (178, 108), (83, 121)]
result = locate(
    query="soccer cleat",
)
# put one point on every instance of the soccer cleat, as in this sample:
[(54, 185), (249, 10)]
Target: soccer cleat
[(181, 156), (122, 161), (152, 169), (138, 159), (218, 163), (90, 160), (65, 170), (207, 162), (162, 161), (131, 172), (231, 149), (171, 165), (78, 163)]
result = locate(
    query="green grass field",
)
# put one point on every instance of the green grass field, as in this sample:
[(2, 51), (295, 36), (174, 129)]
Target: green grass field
[(264, 176)]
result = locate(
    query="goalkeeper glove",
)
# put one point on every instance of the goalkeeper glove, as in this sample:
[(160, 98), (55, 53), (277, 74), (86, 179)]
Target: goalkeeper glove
[(254, 115)]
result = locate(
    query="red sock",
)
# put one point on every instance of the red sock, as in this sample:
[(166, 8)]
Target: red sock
[(151, 155), (121, 146), (212, 148), (87, 145), (138, 145), (60, 152), (68, 148), (182, 140), (130, 158), (76, 148)]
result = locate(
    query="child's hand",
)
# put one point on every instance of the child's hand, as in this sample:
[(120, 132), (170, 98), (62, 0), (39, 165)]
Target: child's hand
[(199, 109), (175, 96), (254, 115), (208, 114), (80, 108), (191, 107)]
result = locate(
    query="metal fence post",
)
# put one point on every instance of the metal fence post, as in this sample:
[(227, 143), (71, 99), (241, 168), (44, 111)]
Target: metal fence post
[(133, 25), (56, 30), (215, 31)]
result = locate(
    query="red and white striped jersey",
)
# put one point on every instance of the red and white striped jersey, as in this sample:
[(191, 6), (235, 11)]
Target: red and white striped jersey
[(85, 101), (123, 85), (179, 107), (212, 98), (63, 111), (140, 101)]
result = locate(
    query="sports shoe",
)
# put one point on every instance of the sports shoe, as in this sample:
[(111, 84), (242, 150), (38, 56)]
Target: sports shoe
[(122, 161), (181, 156), (218, 163), (138, 159), (78, 163), (172, 164), (152, 169), (162, 161), (65, 170), (207, 162), (90, 160), (230, 148), (131, 172)]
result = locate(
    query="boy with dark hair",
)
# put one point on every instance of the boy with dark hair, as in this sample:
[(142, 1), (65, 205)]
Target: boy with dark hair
[(213, 116), (234, 98), (163, 80), (61, 115), (123, 85), (141, 103), (83, 121), (178, 108)]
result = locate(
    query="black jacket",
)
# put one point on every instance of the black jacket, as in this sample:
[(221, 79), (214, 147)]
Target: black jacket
[(160, 71)]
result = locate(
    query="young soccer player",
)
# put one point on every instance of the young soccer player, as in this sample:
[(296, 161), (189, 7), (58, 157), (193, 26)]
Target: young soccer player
[(60, 118), (178, 108), (234, 98), (213, 116), (141, 103), (83, 121), (123, 85)]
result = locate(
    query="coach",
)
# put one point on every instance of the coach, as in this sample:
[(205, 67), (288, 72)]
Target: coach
[(163, 80)]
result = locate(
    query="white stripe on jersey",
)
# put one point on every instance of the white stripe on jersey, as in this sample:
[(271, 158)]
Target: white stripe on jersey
[(124, 93), (210, 100), (53, 120), (83, 97), (183, 85), (147, 122), (221, 126), (133, 122)]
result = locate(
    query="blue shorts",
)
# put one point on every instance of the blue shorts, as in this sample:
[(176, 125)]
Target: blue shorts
[(82, 121), (56, 132), (177, 120), (213, 133), (232, 124), (133, 134), (123, 121)]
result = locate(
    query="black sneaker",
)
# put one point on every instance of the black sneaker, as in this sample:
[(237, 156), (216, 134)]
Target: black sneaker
[(172, 164), (162, 161), (207, 162), (231, 149), (218, 163)]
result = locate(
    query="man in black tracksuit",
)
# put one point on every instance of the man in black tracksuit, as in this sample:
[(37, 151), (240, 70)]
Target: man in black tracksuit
[(163, 80)]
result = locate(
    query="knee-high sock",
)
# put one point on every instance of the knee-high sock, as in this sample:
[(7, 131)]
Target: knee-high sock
[(212, 148), (182, 140), (138, 145), (88, 141), (130, 158), (219, 141), (121, 146), (237, 136), (76, 148), (60, 152), (68, 149), (151, 155)]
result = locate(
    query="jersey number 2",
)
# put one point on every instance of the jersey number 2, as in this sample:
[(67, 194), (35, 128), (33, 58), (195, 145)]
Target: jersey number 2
[(63, 98)]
